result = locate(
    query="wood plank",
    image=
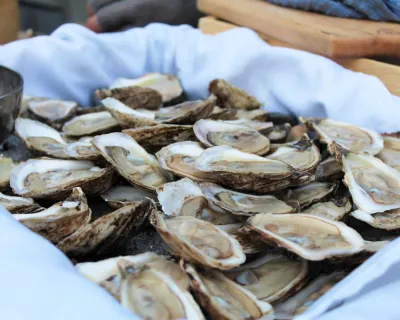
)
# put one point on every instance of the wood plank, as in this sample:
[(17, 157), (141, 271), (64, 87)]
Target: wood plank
[(387, 73), (329, 36), (9, 20)]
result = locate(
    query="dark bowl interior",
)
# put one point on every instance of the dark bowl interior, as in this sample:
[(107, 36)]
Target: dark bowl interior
[(11, 85)]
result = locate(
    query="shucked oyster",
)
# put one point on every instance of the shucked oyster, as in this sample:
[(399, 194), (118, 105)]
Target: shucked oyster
[(374, 186), (60, 220), (388, 220), (311, 237), (131, 160), (216, 133), (19, 204), (82, 149), (242, 203), (6, 167), (120, 196), (305, 196), (271, 277), (224, 299), (48, 178), (351, 137), (334, 209), (199, 241), (239, 170), (390, 154)]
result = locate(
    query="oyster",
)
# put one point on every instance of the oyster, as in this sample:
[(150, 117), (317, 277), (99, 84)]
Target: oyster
[(262, 127), (271, 277), (388, 220), (120, 196), (301, 155), (89, 124), (180, 157), (216, 133), (48, 178), (131, 160), (152, 295), (222, 113), (107, 232), (374, 186), (82, 149), (232, 97), (41, 138), (351, 137), (334, 209), (329, 170), (6, 167), (135, 97), (60, 220), (18, 204), (278, 133), (239, 170), (314, 192), (185, 198), (224, 299), (257, 114), (153, 138), (390, 154), (167, 85), (311, 237), (241, 203), (199, 241)]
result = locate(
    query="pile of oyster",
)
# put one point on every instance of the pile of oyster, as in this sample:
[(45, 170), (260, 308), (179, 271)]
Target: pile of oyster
[(212, 208)]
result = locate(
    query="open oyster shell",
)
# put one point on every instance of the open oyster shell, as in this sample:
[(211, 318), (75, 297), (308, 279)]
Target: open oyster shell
[(60, 220), (107, 232), (311, 237), (390, 154), (199, 241), (90, 124), (271, 277), (18, 204), (256, 114), (82, 149), (388, 220), (329, 170), (224, 299), (241, 203), (48, 178), (131, 160), (216, 133), (153, 138), (120, 196), (351, 137), (314, 192), (232, 97), (6, 167), (222, 113), (374, 186), (335, 209), (260, 126)]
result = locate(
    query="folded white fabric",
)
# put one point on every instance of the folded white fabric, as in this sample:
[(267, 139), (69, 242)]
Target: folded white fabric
[(39, 283)]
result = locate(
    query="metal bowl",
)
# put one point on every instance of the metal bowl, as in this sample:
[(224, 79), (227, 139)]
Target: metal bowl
[(11, 85)]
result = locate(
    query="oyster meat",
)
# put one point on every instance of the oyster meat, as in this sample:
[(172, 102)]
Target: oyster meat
[(311, 237), (334, 209), (314, 192), (131, 160), (390, 154), (216, 133), (199, 241), (90, 124), (60, 220), (388, 220), (224, 299), (272, 277), (241, 203), (120, 196), (48, 178), (6, 167), (19, 204)]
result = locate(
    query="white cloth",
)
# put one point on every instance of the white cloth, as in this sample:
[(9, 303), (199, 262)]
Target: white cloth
[(39, 283)]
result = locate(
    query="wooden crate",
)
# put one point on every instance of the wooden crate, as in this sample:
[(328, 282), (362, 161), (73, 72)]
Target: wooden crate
[(9, 20)]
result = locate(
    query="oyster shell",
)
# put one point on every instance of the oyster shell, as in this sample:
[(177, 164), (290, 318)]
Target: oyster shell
[(314, 192), (241, 203), (257, 114), (329, 170), (334, 209), (131, 160), (351, 137), (260, 126), (152, 295), (107, 232), (48, 178), (60, 220), (301, 155), (239, 170), (153, 138), (82, 149), (167, 85), (224, 299), (278, 133), (19, 204), (311, 237), (185, 198), (6, 167), (390, 154), (215, 133), (271, 277), (180, 157), (90, 124), (120, 196), (374, 186), (199, 241), (388, 220), (41, 138), (232, 97), (222, 113), (135, 97)]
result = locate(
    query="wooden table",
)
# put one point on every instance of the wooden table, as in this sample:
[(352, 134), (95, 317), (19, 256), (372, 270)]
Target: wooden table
[(9, 20)]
